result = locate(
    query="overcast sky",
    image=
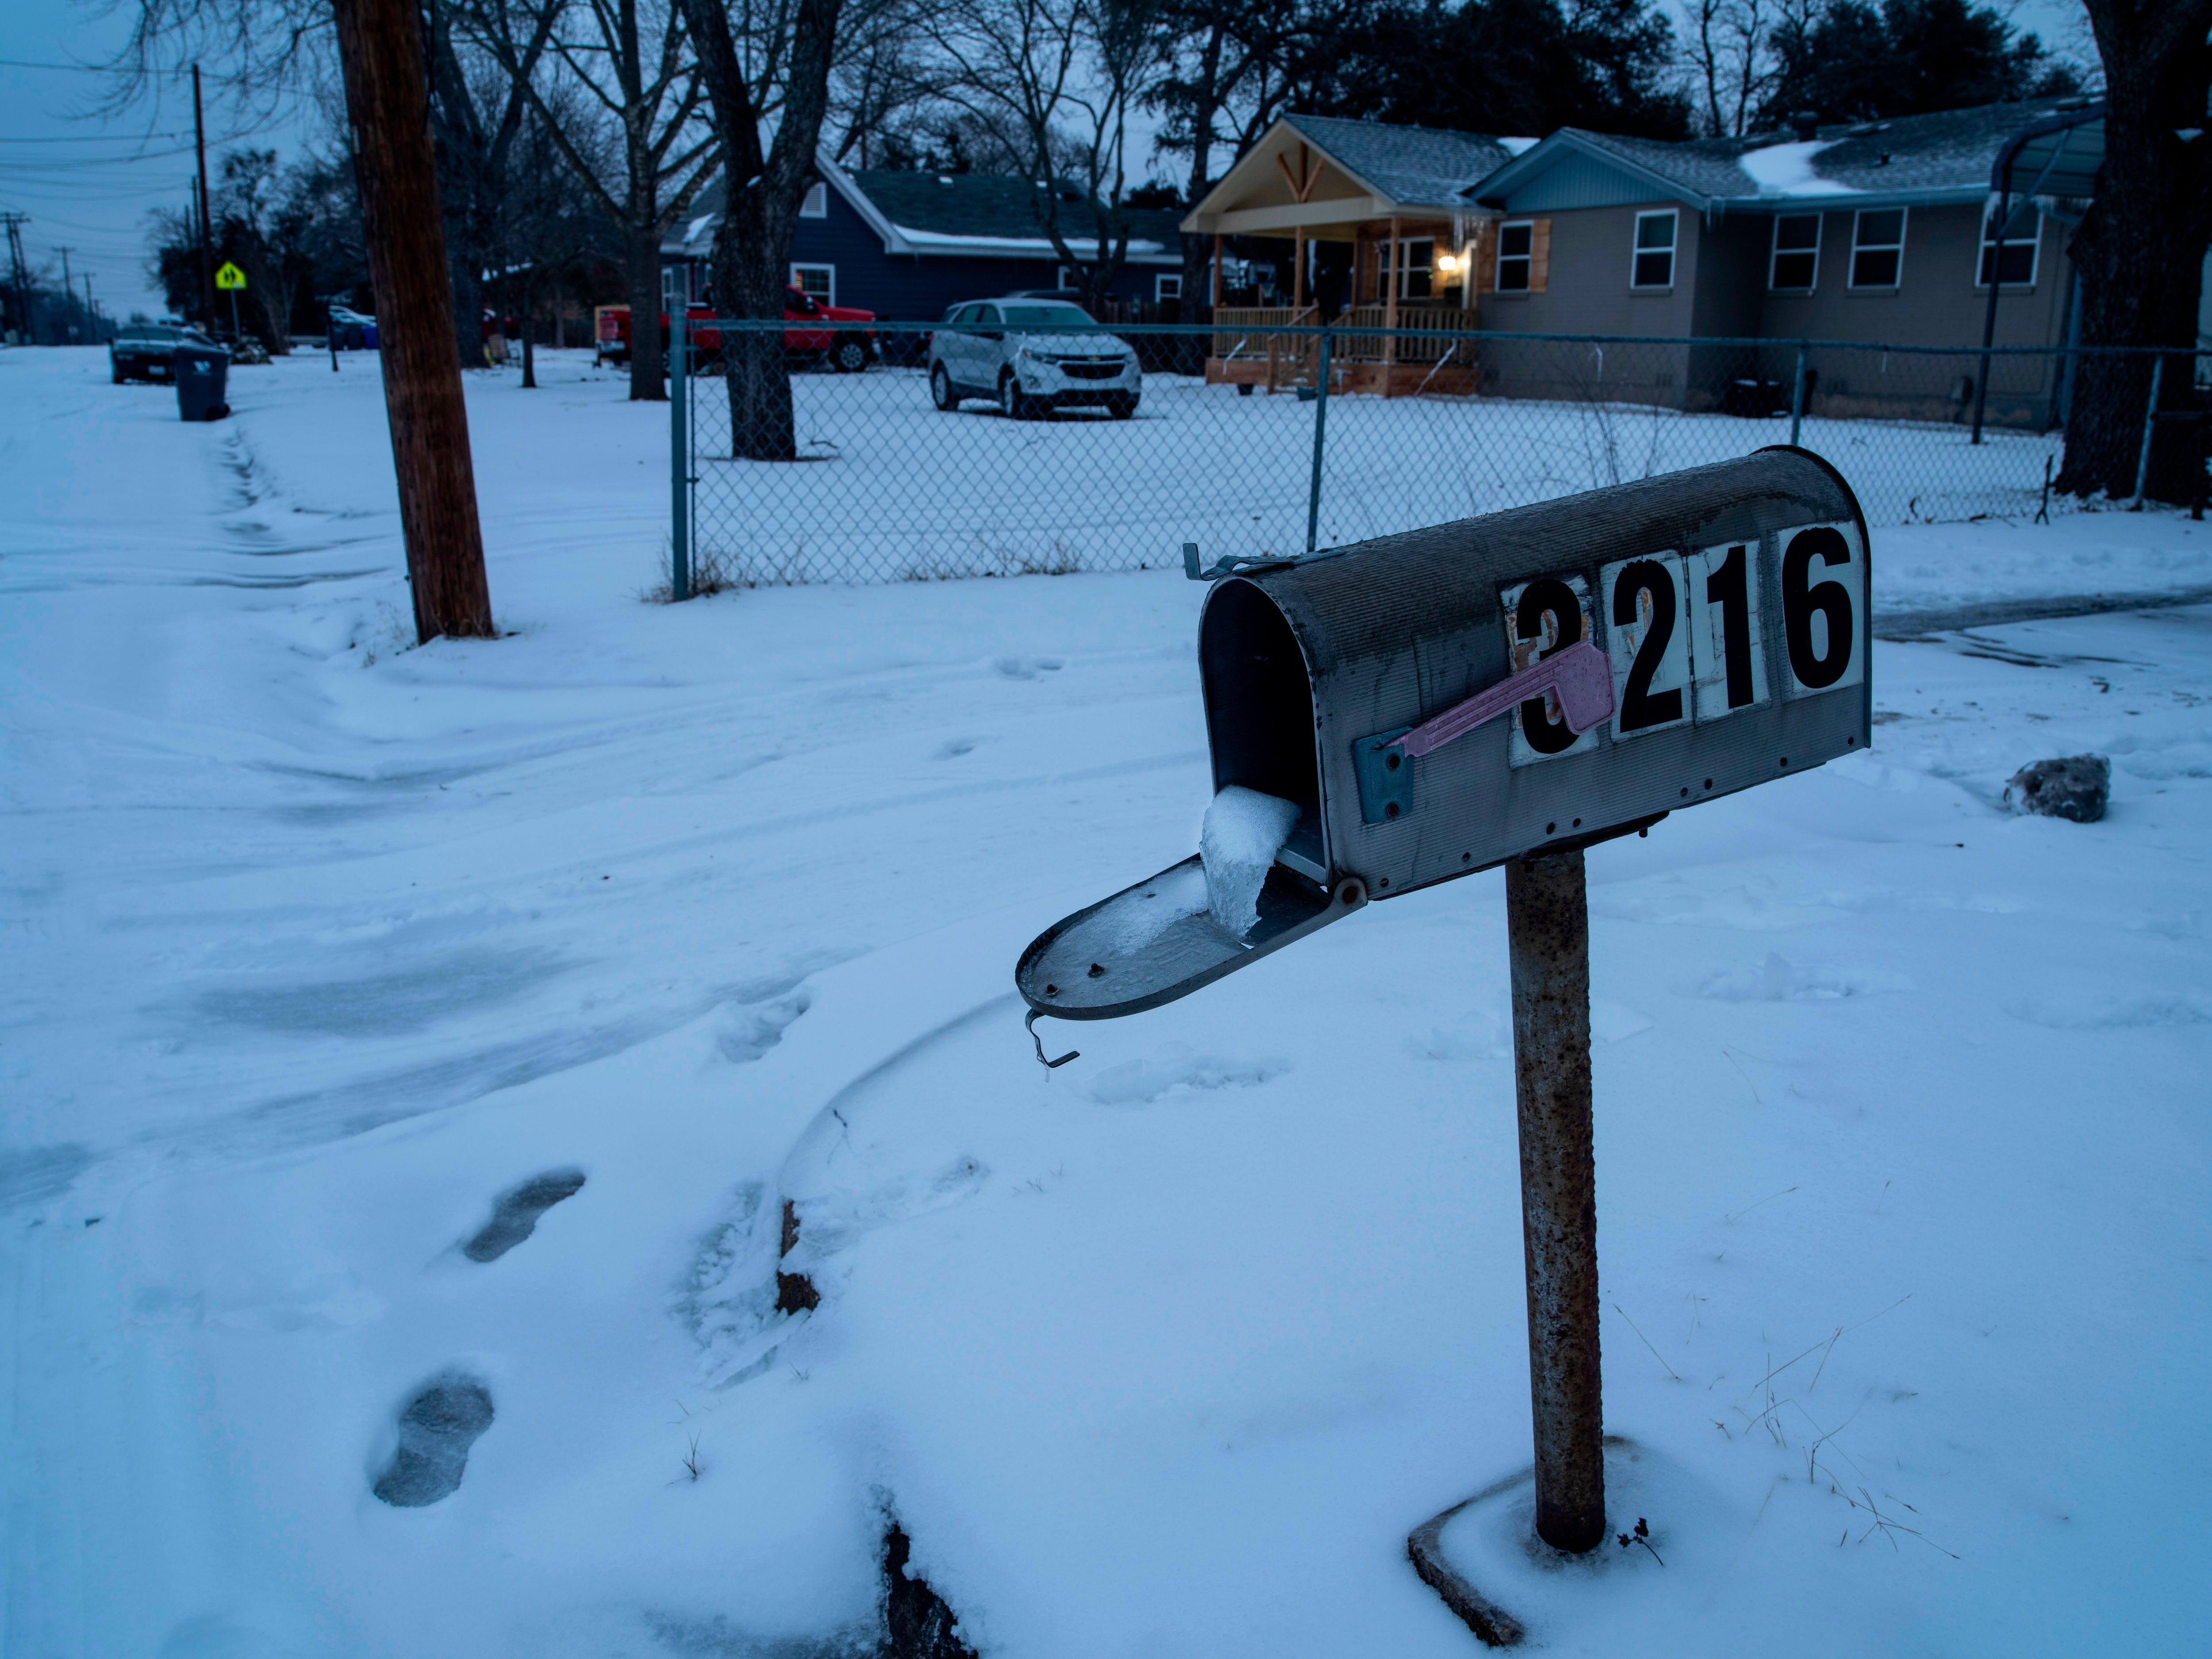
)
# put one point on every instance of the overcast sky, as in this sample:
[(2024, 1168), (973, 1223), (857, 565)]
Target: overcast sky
[(88, 182)]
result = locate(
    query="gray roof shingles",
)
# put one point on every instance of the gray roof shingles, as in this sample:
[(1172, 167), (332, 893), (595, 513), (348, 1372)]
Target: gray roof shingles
[(1422, 167), (978, 204), (972, 204), (1950, 150)]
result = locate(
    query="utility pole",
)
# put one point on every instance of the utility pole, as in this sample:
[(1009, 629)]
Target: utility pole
[(388, 102), (91, 311), (207, 245), (15, 222), (69, 295)]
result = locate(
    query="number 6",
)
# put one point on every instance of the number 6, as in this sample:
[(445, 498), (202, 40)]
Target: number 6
[(1835, 658)]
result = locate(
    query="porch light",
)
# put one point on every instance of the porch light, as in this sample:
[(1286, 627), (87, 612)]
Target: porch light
[(1448, 263)]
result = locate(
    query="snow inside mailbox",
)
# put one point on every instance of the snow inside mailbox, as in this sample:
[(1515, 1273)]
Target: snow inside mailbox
[(1354, 755)]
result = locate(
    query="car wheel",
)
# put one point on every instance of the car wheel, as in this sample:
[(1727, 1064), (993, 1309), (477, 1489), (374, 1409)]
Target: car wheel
[(1121, 404), (1013, 403), (940, 390), (850, 354), (115, 375)]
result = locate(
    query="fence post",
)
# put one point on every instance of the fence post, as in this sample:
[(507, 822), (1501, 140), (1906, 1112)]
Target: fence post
[(1797, 398), (1320, 431), (2150, 425), (679, 460)]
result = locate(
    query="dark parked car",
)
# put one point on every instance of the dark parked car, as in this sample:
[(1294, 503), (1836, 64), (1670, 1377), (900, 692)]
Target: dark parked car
[(142, 351)]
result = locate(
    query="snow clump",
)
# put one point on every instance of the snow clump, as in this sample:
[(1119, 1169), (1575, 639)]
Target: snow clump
[(1244, 829)]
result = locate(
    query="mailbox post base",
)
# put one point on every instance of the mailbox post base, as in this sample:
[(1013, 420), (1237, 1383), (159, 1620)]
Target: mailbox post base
[(1505, 1584)]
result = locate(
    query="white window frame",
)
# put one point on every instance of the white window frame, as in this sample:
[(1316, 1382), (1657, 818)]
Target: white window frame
[(814, 204), (1776, 251), (2034, 241), (1388, 278), (1904, 228), (797, 281), (1637, 250), (1166, 286), (1526, 261)]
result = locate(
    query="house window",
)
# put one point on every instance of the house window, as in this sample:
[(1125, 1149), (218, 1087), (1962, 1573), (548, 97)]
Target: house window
[(2014, 260), (1655, 250), (814, 204), (1516, 243), (817, 282), (1878, 247), (1167, 288), (1797, 252), (1420, 266)]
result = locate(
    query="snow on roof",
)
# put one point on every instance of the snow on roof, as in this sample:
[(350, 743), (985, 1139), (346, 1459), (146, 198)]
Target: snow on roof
[(1947, 154), (1787, 170), (1035, 246)]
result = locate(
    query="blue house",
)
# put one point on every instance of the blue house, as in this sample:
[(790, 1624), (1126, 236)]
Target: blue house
[(906, 245)]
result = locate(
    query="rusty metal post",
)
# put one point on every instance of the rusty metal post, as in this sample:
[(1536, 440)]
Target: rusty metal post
[(1547, 933)]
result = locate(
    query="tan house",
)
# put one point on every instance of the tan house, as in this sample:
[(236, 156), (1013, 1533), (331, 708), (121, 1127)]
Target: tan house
[(1922, 231), (1390, 211)]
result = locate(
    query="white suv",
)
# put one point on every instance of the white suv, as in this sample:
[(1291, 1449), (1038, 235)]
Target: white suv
[(1009, 351)]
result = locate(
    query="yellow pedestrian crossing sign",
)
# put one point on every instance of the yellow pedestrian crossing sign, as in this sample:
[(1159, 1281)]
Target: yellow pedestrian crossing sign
[(229, 276)]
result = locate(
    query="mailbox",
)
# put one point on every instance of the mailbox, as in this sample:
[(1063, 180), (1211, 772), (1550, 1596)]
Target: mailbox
[(1710, 632)]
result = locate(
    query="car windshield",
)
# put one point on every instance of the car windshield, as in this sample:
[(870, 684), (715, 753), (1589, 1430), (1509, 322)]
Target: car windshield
[(154, 332), (1046, 316)]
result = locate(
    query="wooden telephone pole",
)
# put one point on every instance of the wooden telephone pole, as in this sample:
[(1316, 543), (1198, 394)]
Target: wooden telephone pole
[(380, 44)]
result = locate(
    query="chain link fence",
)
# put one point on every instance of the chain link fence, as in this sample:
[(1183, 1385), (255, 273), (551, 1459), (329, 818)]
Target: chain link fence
[(1264, 441)]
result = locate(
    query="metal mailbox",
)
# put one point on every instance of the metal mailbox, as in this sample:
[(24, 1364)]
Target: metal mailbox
[(1731, 606)]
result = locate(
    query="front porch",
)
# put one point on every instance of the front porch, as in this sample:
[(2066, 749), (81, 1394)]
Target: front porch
[(1378, 349)]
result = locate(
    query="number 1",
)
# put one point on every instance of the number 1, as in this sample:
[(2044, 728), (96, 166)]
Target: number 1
[(1725, 643)]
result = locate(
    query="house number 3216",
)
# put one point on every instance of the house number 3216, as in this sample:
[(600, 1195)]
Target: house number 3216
[(1686, 632)]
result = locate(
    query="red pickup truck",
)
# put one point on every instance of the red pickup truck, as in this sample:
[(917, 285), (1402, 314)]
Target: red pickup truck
[(847, 351)]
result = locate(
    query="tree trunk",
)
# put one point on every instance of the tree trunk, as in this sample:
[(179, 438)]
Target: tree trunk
[(468, 308), (380, 48), (753, 241), (647, 367), (529, 346), (762, 425), (2140, 249)]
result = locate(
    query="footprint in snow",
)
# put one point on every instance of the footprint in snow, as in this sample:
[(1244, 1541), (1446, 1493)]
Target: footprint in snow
[(1028, 668), (436, 1430), (514, 1218)]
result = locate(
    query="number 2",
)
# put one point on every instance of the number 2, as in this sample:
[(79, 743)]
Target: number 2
[(1650, 654)]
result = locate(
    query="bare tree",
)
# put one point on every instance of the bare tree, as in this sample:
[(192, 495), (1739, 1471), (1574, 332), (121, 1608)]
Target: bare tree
[(1231, 70), (774, 62), (1730, 60), (631, 61), (1058, 80), (2139, 250), (478, 103), (880, 78)]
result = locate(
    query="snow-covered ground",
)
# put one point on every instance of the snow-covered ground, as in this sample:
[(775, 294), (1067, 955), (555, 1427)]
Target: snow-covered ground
[(316, 944), (896, 491)]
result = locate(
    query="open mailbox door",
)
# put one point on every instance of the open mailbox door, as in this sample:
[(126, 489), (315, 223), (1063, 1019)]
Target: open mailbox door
[(1730, 604)]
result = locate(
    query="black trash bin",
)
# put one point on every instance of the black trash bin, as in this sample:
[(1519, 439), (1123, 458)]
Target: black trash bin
[(203, 375)]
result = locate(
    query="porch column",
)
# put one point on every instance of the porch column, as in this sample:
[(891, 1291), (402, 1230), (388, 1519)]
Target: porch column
[(1390, 303), (1298, 280), (1217, 269)]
